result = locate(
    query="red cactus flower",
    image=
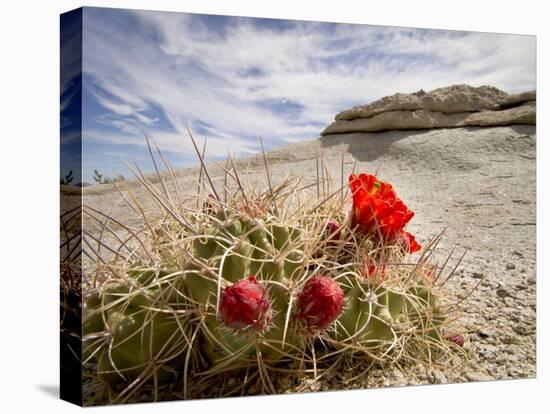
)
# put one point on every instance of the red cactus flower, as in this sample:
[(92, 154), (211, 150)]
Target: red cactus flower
[(376, 207), (333, 230), (378, 211), (407, 241), (320, 302), (245, 304)]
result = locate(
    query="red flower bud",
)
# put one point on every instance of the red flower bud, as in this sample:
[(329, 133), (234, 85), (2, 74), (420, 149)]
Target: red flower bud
[(333, 231), (320, 302), (456, 339), (245, 304)]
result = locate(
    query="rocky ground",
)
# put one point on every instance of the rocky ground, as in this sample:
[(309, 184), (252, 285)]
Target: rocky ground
[(479, 183)]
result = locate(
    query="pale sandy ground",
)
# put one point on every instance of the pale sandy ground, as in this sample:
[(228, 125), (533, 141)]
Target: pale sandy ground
[(478, 182)]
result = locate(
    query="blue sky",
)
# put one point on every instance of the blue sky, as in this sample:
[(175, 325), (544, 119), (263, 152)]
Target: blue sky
[(235, 79)]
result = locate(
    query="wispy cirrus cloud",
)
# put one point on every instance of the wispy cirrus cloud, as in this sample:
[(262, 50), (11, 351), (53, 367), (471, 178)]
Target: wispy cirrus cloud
[(235, 79)]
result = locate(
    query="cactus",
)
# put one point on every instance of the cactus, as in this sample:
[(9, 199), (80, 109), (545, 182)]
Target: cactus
[(129, 339), (250, 246), (140, 339), (98, 178), (252, 283), (68, 179)]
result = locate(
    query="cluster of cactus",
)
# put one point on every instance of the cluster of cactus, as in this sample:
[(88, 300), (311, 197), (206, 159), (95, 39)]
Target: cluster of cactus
[(252, 283), (255, 291), (100, 179), (131, 332)]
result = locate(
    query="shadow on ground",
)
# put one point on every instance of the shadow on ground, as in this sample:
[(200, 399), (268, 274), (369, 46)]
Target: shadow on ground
[(51, 390), (369, 146)]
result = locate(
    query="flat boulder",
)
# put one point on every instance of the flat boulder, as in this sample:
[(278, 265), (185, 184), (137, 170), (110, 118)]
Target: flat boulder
[(423, 119), (452, 106)]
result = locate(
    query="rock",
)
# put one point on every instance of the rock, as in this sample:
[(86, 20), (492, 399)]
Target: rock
[(510, 340), (520, 286), (502, 292), (484, 333), (449, 100), (424, 119), (510, 266), (521, 329), (437, 377), (478, 376), (514, 100), (451, 106)]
